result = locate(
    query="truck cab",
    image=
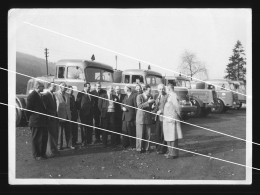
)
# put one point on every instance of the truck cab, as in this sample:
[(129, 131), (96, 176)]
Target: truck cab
[(226, 98), (74, 72), (240, 87), (78, 72), (204, 99), (139, 76)]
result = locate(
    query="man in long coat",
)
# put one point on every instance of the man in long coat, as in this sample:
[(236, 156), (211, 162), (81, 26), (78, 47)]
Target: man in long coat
[(129, 117), (63, 109), (172, 128), (118, 114), (74, 118), (144, 122), (97, 92), (49, 100), (37, 122), (160, 100), (107, 110), (85, 105)]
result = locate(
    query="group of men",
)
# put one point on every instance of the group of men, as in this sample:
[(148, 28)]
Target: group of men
[(54, 116)]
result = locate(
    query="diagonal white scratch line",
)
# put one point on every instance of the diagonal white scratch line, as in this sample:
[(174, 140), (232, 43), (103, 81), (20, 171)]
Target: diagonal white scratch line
[(141, 109), (211, 157), (85, 42)]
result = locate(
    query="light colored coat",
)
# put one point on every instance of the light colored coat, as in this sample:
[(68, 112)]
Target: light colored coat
[(171, 128), (143, 117), (63, 108)]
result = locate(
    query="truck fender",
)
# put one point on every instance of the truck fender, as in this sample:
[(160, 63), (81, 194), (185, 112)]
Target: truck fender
[(198, 100)]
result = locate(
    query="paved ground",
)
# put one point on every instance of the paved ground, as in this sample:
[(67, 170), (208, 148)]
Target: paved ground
[(96, 162)]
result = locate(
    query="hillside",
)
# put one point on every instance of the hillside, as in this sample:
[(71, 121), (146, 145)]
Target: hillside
[(32, 66)]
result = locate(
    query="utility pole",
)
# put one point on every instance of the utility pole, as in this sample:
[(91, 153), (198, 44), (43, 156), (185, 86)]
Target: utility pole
[(116, 62), (46, 56)]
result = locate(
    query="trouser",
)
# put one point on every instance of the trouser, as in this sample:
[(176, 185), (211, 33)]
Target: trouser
[(143, 131), (64, 126), (86, 132), (159, 138), (172, 151), (118, 129), (74, 132), (53, 132), (97, 124), (108, 123), (39, 141), (129, 129)]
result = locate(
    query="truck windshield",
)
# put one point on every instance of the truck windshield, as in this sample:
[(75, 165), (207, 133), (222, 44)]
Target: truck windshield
[(75, 72), (221, 86), (137, 79), (153, 80), (182, 95), (97, 74)]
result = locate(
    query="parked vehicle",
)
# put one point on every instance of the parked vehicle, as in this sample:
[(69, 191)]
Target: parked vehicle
[(140, 76), (240, 87), (204, 99), (226, 98), (74, 73)]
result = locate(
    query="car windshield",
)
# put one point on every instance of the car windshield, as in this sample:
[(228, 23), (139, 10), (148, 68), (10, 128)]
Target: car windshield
[(97, 74)]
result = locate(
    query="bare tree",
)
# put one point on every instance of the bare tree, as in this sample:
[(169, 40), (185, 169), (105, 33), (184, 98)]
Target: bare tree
[(190, 65)]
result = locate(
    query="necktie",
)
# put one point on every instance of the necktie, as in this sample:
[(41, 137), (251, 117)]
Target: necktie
[(64, 98)]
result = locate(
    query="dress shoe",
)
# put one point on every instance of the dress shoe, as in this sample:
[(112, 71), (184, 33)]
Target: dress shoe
[(39, 158), (171, 157), (72, 147)]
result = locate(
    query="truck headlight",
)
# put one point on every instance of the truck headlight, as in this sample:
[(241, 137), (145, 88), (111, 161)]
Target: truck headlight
[(182, 102), (223, 93)]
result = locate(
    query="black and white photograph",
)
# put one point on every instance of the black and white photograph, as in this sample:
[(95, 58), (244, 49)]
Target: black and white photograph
[(130, 96)]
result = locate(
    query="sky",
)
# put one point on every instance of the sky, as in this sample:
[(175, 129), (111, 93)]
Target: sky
[(157, 36)]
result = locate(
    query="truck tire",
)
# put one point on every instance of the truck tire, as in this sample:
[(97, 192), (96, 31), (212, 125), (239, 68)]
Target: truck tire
[(220, 107), (240, 105), (198, 111), (205, 112), (225, 109)]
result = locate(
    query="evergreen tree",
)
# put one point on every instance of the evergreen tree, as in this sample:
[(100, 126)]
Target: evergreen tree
[(236, 69)]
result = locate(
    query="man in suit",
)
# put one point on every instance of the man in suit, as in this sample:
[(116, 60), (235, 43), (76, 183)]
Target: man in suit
[(160, 100), (107, 110), (37, 122), (74, 117), (144, 101), (85, 105), (118, 114), (63, 109), (97, 92), (129, 114), (51, 109)]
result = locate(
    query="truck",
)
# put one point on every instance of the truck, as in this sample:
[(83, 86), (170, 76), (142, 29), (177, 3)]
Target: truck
[(132, 77), (74, 72), (204, 99), (226, 97), (240, 87)]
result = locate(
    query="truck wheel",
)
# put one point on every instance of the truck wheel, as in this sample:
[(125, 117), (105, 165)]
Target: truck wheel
[(220, 107), (205, 112), (225, 109), (240, 105), (184, 116), (197, 113)]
